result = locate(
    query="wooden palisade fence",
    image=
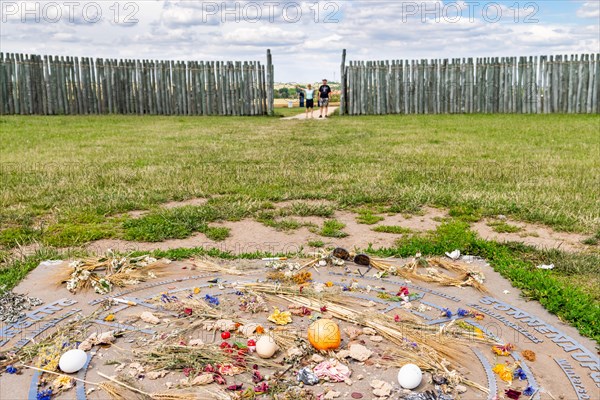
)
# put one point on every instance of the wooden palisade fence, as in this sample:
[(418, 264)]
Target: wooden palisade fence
[(32, 84), (554, 84)]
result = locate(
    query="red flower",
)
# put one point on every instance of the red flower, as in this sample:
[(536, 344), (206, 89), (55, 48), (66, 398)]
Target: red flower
[(251, 342), (219, 379), (262, 388), (187, 371), (256, 376), (187, 311), (403, 291), (225, 345), (397, 318), (324, 309), (209, 368), (225, 335), (235, 387)]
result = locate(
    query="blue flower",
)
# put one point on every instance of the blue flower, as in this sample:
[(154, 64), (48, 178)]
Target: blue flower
[(44, 394), (239, 293), (529, 391), (446, 312), (462, 312), (11, 369), (520, 374), (211, 300)]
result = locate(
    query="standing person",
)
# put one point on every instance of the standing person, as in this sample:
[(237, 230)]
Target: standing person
[(309, 99), (324, 93)]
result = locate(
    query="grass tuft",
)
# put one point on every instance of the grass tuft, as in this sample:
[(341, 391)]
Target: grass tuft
[(217, 233), (316, 243), (367, 217), (333, 228), (503, 227), (396, 229), (466, 213)]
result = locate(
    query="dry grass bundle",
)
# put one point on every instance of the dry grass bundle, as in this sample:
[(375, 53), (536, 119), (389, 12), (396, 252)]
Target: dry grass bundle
[(200, 309), (101, 274), (332, 295), (466, 276), (205, 265), (124, 391), (285, 338), (177, 357)]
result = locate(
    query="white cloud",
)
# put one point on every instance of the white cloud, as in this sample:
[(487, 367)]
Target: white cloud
[(263, 36), (589, 9)]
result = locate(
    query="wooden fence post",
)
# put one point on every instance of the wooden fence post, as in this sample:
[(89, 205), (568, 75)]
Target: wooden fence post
[(343, 84), (270, 84)]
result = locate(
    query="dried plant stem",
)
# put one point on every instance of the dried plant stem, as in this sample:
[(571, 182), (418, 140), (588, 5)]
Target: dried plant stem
[(59, 374)]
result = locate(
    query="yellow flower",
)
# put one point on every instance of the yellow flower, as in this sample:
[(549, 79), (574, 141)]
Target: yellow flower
[(504, 372), (329, 284), (280, 318), (196, 290), (62, 382), (110, 317)]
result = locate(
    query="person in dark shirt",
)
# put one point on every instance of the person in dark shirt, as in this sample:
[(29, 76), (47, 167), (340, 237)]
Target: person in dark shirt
[(324, 93)]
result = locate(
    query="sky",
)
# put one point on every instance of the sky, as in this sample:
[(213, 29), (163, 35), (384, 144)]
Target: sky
[(306, 38)]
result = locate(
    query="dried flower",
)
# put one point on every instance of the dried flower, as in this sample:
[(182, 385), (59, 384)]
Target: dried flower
[(503, 350), (212, 300), (279, 317), (262, 388), (44, 394), (62, 382), (403, 291), (519, 374), (528, 355), (462, 312), (504, 372), (529, 391)]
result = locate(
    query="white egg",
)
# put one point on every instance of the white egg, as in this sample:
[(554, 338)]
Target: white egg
[(410, 376), (266, 346), (72, 361)]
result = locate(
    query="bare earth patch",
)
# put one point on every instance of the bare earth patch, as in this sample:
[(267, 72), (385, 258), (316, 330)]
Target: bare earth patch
[(249, 235)]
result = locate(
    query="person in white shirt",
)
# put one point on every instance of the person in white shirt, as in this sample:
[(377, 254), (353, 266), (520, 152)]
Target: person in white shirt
[(309, 99)]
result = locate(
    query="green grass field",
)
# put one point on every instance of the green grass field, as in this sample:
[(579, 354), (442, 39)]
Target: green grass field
[(67, 180)]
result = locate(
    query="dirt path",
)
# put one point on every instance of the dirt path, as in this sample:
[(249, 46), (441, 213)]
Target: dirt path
[(330, 111)]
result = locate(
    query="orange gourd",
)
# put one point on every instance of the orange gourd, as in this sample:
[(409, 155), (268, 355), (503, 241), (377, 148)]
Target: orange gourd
[(324, 334)]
